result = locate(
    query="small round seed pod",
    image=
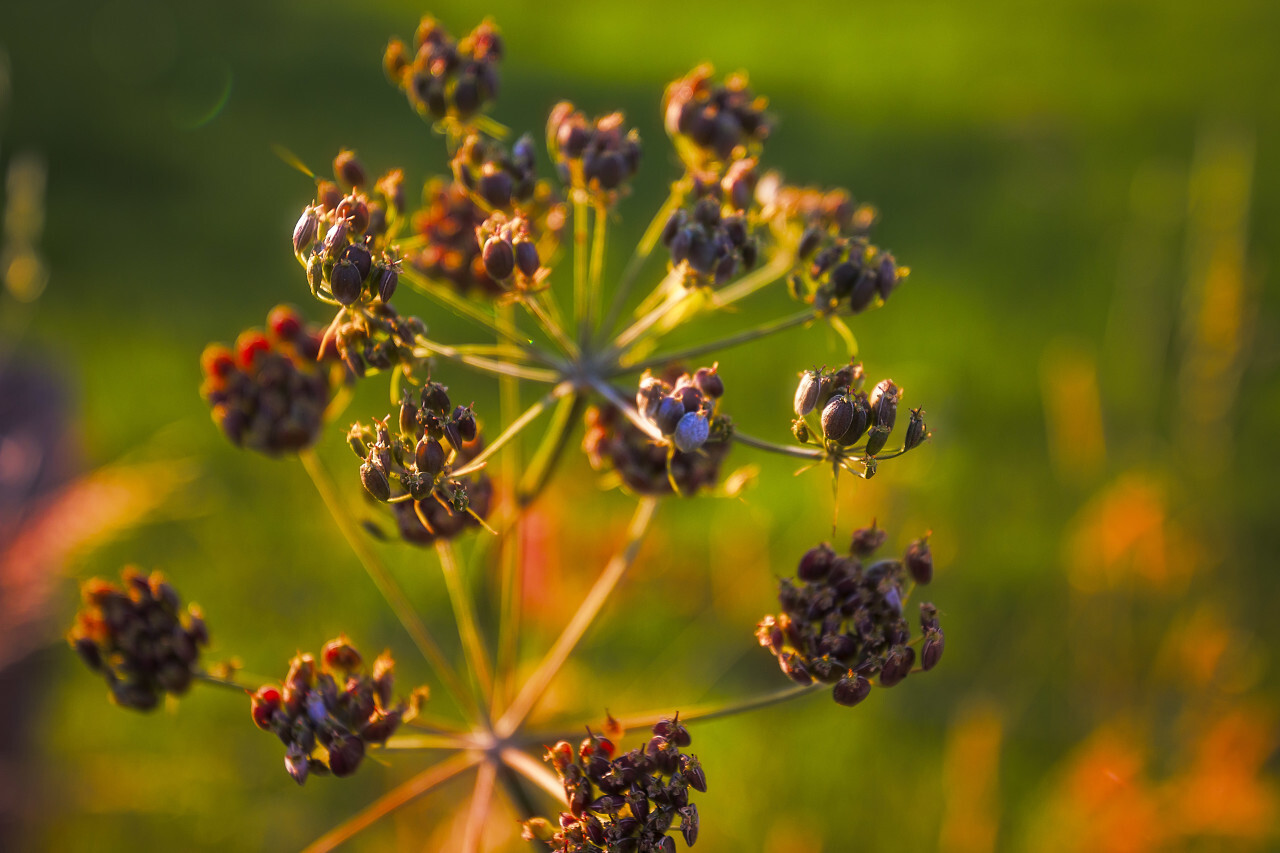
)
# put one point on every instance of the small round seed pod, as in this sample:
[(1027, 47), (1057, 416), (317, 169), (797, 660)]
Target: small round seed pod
[(387, 278), (815, 564), (375, 481), (527, 260), (691, 433), (807, 392), (837, 417), (851, 690), (709, 382), (917, 432), (919, 561), (304, 233), (499, 258), (348, 170), (436, 397), (897, 665), (346, 282), (359, 254), (466, 421), (670, 413)]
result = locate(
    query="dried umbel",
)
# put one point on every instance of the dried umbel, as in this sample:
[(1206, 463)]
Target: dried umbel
[(714, 122), (269, 394), (410, 462), (138, 637), (501, 179), (843, 618), (326, 714), (634, 801), (683, 444), (708, 247), (600, 155), (446, 79)]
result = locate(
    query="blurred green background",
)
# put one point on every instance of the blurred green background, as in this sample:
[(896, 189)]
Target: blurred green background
[(1087, 194)]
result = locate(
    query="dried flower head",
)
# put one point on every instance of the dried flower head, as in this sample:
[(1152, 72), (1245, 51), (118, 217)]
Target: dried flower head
[(138, 637)]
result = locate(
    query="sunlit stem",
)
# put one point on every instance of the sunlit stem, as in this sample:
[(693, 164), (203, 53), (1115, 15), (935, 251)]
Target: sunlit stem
[(581, 293), (460, 305), (596, 279), (554, 441), (534, 689), (226, 683), (636, 330), (481, 800), (782, 449), (514, 429), (394, 799), (464, 615), (427, 348), (511, 542), (381, 578), (407, 743), (650, 239), (704, 713), (753, 281), (536, 772), (610, 393), (539, 312), (724, 343)]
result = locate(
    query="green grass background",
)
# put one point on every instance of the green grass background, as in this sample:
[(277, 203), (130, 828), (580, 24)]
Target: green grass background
[(1014, 149)]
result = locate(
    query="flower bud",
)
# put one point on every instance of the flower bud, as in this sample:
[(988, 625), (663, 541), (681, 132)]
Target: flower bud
[(691, 433)]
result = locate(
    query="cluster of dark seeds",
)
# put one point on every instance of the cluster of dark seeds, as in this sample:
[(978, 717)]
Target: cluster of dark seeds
[(270, 393), (624, 803), (707, 246), (138, 637), (600, 155), (499, 178), (849, 414), (714, 121), (342, 238), (683, 409), (408, 463), (842, 618), (444, 78), (377, 337), (821, 213), (447, 224), (327, 715), (507, 247)]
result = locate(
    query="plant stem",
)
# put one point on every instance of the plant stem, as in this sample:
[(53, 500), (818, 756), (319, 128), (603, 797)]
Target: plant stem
[(611, 394), (783, 449), (394, 799), (464, 615), (405, 743), (428, 348), (514, 429), (724, 343), (460, 305), (594, 293), (753, 281), (536, 772), (223, 682), (381, 578), (640, 255), (632, 333), (581, 294), (536, 686), (510, 543), (481, 800), (553, 445), (538, 311)]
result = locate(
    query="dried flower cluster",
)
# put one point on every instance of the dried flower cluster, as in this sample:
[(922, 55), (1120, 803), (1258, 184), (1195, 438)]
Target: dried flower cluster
[(138, 637), (843, 622), (641, 794), (488, 242)]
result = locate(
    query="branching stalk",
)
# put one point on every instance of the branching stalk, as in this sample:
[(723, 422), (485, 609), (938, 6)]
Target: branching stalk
[(724, 343), (468, 628), (642, 251), (514, 429)]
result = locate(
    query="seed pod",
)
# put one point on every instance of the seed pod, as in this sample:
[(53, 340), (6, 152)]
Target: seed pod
[(793, 666), (807, 392), (862, 293), (304, 233), (931, 650), (815, 564), (858, 424), (851, 690), (842, 279), (884, 403), (877, 439), (917, 432), (359, 255), (466, 422), (348, 170), (346, 282), (866, 540), (436, 397), (388, 278), (375, 481), (429, 456), (837, 417), (886, 275), (897, 665), (315, 274), (345, 755), (689, 823), (336, 238), (919, 560), (296, 763), (670, 413), (691, 433), (809, 242), (709, 382), (527, 260), (499, 259), (339, 654)]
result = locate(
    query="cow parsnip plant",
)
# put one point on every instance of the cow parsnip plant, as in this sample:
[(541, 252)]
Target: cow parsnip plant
[(523, 257)]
